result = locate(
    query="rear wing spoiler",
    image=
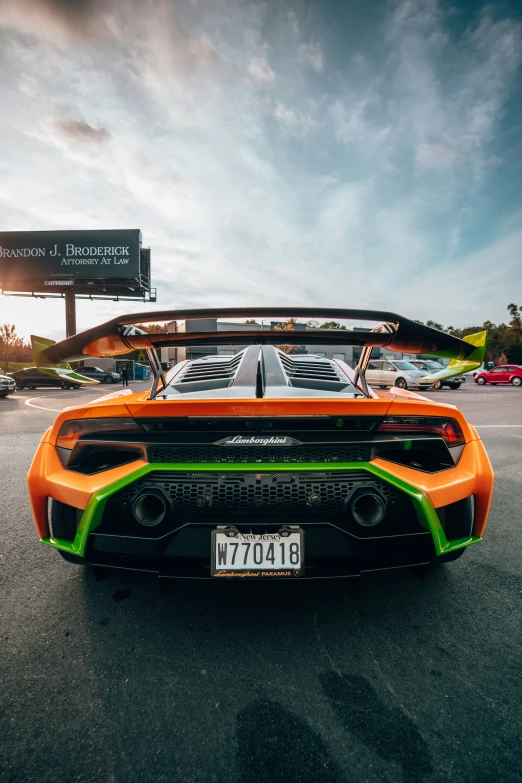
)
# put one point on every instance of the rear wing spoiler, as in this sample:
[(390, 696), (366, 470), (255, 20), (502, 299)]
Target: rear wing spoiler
[(120, 335), (460, 366)]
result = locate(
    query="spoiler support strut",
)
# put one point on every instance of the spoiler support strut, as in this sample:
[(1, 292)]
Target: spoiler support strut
[(360, 370), (157, 371)]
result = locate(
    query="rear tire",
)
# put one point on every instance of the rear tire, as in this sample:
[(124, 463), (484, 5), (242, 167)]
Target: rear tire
[(516, 381), (454, 385), (400, 383), (481, 381), (20, 385)]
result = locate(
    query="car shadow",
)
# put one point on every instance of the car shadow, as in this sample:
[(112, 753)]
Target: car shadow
[(249, 673)]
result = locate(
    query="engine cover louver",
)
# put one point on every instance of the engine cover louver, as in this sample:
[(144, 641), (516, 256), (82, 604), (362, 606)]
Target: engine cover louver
[(310, 369), (210, 369), (257, 368)]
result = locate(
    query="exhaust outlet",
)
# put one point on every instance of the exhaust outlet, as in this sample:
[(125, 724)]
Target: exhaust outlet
[(150, 508), (367, 507)]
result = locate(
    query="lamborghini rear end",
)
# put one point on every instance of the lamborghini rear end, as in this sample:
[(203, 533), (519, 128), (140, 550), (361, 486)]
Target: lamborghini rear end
[(261, 465)]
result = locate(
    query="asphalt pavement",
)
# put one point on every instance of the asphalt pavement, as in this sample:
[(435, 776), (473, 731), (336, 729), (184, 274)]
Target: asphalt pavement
[(384, 678)]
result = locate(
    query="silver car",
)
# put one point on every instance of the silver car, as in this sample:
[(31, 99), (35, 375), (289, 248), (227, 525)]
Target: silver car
[(394, 372), (430, 367), (7, 386)]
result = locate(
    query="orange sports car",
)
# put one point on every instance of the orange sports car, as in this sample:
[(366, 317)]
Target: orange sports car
[(266, 464)]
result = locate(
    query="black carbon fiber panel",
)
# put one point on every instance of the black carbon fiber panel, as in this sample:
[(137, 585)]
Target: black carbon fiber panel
[(331, 452), (217, 497)]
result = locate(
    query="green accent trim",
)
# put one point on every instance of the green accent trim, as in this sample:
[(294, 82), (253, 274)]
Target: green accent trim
[(426, 514), (459, 366)]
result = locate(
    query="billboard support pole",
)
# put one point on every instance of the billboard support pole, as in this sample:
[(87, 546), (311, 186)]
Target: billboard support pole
[(70, 313)]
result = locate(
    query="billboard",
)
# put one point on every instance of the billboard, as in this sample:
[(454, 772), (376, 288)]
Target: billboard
[(47, 260)]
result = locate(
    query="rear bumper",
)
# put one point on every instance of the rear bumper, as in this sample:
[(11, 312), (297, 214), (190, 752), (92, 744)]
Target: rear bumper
[(329, 552), (184, 551)]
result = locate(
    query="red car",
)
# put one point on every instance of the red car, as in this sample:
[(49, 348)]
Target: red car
[(504, 373)]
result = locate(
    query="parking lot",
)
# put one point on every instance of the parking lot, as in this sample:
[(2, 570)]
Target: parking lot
[(384, 678)]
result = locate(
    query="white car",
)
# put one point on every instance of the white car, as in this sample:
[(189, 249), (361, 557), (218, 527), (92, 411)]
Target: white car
[(395, 372)]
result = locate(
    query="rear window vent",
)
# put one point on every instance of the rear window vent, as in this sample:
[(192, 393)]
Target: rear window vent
[(211, 369), (310, 369)]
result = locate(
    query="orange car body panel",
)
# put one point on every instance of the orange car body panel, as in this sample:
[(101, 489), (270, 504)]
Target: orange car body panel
[(472, 475)]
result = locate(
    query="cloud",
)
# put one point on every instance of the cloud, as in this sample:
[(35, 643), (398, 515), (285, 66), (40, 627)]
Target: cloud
[(162, 52), (28, 85), (295, 122), (260, 70), (468, 105), (79, 131), (434, 155), (259, 151), (286, 116), (256, 165), (351, 122), (58, 20), (293, 22), (313, 55)]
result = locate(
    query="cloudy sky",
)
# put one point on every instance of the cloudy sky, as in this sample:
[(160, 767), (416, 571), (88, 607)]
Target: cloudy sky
[(273, 152)]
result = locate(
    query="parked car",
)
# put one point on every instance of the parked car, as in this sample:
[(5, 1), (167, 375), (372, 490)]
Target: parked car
[(430, 366), (392, 372), (504, 373), (7, 386), (32, 378), (104, 376)]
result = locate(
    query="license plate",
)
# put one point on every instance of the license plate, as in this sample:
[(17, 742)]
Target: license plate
[(257, 555)]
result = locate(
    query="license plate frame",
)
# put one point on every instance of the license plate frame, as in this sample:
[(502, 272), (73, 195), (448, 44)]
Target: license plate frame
[(242, 571)]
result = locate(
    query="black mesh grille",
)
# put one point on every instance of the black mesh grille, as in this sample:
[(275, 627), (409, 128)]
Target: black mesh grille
[(331, 452), (201, 496)]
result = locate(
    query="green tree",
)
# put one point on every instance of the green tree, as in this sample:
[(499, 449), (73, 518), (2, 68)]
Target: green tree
[(9, 343), (332, 325), (435, 325), (516, 318), (513, 346), (286, 326)]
